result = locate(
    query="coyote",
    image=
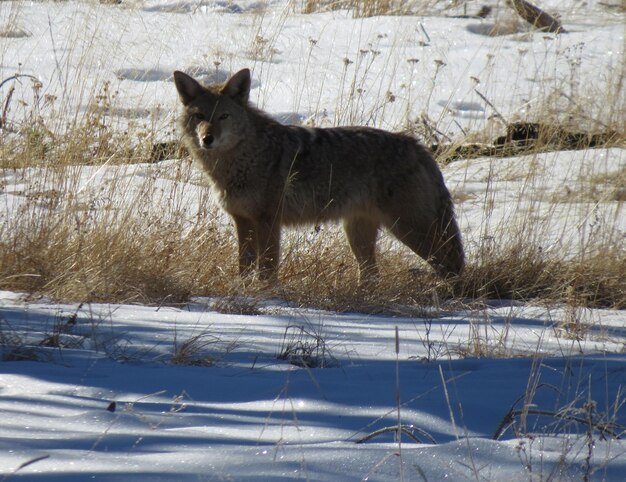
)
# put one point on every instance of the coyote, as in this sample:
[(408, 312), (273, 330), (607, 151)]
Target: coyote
[(267, 175)]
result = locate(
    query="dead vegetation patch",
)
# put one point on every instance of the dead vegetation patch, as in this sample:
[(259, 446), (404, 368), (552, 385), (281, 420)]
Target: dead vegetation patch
[(525, 138)]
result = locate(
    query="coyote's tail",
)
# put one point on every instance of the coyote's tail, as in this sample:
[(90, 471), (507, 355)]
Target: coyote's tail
[(447, 255)]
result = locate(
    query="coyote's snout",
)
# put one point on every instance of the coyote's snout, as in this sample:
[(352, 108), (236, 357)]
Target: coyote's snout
[(268, 175)]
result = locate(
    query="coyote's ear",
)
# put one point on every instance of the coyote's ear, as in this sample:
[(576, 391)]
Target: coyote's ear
[(188, 88), (238, 86)]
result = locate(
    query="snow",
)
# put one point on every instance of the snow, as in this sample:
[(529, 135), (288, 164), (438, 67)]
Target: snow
[(238, 411), (431, 64), (252, 416)]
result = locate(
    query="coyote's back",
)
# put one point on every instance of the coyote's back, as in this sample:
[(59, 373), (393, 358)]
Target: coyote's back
[(268, 175)]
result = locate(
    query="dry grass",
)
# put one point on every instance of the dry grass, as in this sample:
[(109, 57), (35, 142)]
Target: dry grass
[(305, 346), (371, 8), (47, 135), (135, 260), (197, 350), (524, 272), (132, 257)]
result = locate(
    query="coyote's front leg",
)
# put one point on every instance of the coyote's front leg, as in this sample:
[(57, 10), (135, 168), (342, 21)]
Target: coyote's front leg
[(246, 236), (268, 247)]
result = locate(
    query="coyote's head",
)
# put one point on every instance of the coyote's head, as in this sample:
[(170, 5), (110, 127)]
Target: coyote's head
[(215, 116)]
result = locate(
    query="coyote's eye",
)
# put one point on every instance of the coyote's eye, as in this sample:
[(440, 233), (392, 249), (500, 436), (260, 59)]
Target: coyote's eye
[(198, 116), (223, 116)]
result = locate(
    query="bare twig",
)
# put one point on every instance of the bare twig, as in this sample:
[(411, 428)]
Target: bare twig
[(26, 464), (17, 76), (5, 109), (408, 430), (509, 418), (488, 102)]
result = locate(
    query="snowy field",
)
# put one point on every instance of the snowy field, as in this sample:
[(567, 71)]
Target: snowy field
[(496, 391), (252, 416)]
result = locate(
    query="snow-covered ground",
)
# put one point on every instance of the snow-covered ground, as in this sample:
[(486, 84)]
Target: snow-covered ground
[(251, 416), (201, 395), (327, 67)]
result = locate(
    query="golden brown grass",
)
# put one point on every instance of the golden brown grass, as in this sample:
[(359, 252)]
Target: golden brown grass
[(130, 259), (369, 8), (524, 272), (67, 138), (135, 257)]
